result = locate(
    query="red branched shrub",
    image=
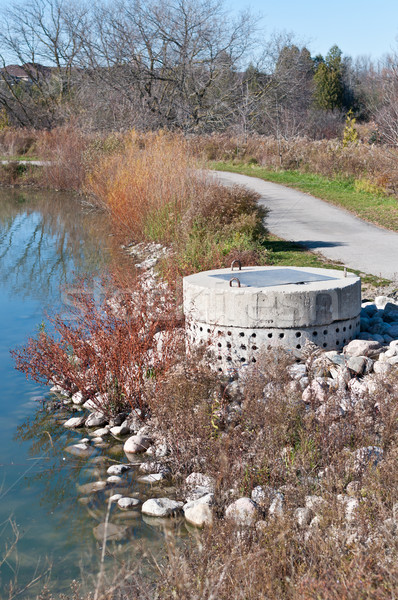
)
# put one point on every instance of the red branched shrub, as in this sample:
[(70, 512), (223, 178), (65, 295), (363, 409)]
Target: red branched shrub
[(109, 350)]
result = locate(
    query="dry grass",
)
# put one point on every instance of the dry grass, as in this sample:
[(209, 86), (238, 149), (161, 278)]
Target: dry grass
[(147, 187), (153, 191), (264, 434), (375, 166)]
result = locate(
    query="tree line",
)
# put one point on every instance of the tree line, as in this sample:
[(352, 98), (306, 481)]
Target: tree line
[(180, 64)]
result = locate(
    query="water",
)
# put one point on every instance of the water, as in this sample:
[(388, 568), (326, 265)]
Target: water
[(45, 531)]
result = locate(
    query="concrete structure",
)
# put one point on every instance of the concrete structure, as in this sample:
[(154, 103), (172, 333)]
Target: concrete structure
[(237, 312)]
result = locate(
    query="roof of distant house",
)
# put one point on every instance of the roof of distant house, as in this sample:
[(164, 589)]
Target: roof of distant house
[(25, 71)]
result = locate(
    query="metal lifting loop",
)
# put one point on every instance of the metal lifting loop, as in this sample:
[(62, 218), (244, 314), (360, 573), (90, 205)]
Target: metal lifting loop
[(239, 264), (234, 279)]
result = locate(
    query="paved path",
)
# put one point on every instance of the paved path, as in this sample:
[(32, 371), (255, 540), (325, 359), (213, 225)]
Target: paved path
[(320, 226), (36, 163)]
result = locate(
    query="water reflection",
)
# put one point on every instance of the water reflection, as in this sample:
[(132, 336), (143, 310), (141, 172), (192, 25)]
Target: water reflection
[(43, 237)]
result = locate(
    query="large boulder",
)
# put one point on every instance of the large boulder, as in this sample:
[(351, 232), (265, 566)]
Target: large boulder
[(96, 419), (199, 515), (136, 444), (75, 422), (363, 348), (390, 312), (242, 512), (161, 507)]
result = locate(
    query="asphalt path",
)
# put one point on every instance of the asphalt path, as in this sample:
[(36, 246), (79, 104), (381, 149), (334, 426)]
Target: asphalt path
[(322, 227)]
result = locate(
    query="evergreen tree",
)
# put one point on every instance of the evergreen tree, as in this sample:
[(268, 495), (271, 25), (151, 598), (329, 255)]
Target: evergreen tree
[(328, 79)]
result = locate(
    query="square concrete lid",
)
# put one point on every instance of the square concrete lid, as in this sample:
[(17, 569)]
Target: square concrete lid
[(260, 278)]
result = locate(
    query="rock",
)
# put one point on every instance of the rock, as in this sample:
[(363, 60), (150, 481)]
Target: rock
[(117, 469), (369, 309), (243, 512), (110, 531), (75, 422), (152, 478), (91, 488), (199, 515), (151, 467), (120, 430), (315, 392), (58, 389), (82, 450), (381, 301), (350, 506), (78, 398), (137, 444), (393, 361), (161, 450), (353, 488), (297, 371), (362, 348), (336, 358), (358, 388), (395, 512), (102, 432), (263, 496), (382, 368), (196, 493), (390, 312), (359, 364), (200, 480), (392, 331), (114, 479), (98, 440), (303, 516), (115, 497), (96, 419), (392, 351), (126, 502), (90, 405), (161, 507), (276, 508), (365, 324), (207, 499), (118, 420), (367, 456), (259, 495), (315, 503)]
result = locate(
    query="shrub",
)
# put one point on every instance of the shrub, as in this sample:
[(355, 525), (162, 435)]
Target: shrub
[(108, 349)]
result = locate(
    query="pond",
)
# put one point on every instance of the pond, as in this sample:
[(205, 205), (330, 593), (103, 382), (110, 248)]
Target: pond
[(48, 527)]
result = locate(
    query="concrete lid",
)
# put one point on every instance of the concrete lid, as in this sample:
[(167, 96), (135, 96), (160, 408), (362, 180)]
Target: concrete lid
[(279, 278)]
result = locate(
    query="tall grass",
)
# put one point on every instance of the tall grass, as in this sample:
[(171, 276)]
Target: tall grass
[(374, 166), (147, 187), (153, 190)]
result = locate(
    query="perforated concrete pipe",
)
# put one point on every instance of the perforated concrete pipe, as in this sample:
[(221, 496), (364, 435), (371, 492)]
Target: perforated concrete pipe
[(237, 313)]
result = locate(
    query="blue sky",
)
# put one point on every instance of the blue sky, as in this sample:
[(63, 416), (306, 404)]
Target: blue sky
[(358, 27)]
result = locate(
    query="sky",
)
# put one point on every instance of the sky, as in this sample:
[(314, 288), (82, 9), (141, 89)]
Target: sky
[(358, 27)]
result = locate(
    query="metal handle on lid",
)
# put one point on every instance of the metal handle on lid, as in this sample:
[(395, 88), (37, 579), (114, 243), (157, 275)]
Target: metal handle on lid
[(234, 279), (239, 264)]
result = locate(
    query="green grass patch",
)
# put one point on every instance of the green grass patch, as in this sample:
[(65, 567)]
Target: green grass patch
[(376, 208)]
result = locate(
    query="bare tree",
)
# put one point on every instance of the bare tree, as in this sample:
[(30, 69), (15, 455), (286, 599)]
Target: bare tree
[(175, 62), (42, 37)]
